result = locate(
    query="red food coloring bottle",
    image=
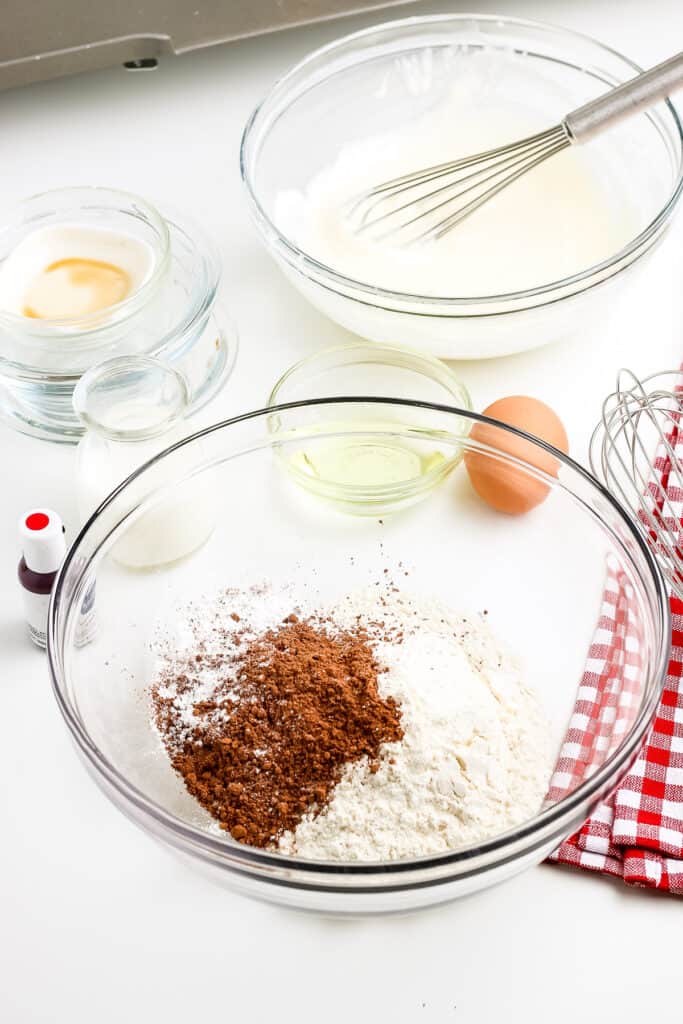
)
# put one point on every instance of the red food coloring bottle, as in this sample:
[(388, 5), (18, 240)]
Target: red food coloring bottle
[(43, 546)]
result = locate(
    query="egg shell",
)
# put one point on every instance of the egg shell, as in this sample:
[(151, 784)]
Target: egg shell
[(503, 486)]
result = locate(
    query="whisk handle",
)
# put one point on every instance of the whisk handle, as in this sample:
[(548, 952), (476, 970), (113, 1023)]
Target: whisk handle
[(633, 96)]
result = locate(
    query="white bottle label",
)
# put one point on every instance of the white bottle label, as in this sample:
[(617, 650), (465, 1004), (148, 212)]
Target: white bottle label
[(36, 606)]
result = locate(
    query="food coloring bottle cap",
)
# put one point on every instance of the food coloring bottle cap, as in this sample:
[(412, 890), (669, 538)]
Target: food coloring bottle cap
[(43, 545)]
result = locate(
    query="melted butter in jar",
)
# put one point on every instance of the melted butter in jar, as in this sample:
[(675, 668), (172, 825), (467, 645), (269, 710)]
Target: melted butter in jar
[(73, 272), (75, 286)]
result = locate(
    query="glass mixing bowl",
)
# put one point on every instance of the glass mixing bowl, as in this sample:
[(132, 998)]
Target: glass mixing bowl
[(540, 578), (378, 80)]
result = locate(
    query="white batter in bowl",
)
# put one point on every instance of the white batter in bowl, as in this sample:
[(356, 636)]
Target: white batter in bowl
[(415, 92)]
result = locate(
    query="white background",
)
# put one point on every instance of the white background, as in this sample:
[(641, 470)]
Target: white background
[(98, 924)]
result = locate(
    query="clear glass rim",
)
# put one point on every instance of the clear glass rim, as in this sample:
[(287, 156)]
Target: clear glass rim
[(437, 370), (391, 300), (87, 325), (545, 826), (111, 372)]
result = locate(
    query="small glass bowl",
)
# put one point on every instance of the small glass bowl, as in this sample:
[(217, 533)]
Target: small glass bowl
[(367, 465), (175, 315), (87, 208), (376, 81)]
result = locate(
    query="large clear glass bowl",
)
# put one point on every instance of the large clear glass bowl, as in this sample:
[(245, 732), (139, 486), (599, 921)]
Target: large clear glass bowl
[(378, 80), (540, 577)]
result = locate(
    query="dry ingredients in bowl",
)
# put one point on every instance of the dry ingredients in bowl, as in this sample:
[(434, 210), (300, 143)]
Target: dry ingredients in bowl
[(384, 727)]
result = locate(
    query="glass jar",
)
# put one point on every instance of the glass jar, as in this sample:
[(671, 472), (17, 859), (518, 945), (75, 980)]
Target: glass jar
[(175, 314), (132, 408)]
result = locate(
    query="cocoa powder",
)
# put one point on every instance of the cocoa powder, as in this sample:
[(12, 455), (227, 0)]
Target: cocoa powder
[(298, 704)]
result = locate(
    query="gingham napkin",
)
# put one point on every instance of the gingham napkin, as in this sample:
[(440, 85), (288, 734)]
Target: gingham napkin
[(637, 834)]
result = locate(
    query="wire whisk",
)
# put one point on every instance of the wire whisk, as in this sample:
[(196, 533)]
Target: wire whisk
[(637, 452), (427, 204)]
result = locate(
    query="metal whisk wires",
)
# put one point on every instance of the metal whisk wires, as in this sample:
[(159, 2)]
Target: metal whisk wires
[(637, 451), (428, 203)]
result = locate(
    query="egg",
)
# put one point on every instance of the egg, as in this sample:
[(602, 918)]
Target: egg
[(503, 486)]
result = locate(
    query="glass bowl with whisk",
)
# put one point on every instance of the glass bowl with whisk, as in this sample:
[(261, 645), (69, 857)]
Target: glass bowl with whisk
[(540, 578), (380, 80)]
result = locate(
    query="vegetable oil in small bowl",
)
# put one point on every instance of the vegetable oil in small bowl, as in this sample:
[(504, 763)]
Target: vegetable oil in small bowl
[(356, 463)]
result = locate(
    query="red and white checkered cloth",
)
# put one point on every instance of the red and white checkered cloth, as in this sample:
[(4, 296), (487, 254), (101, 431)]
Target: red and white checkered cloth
[(637, 833)]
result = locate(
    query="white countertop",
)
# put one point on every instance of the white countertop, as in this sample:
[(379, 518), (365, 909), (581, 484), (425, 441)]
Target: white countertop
[(97, 923)]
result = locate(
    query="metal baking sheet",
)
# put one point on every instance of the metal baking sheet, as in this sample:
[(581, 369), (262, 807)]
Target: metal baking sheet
[(41, 39)]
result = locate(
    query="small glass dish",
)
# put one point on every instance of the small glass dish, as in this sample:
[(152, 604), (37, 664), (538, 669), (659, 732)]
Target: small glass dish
[(175, 315), (367, 465), (84, 212)]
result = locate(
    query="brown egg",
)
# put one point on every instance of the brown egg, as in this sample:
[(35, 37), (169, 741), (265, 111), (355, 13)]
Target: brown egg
[(503, 486)]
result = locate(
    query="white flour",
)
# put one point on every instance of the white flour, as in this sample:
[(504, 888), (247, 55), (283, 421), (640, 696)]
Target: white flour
[(475, 758)]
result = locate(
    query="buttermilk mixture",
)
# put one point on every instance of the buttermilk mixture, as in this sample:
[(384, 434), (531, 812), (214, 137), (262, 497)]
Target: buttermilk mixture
[(554, 222), (386, 726)]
